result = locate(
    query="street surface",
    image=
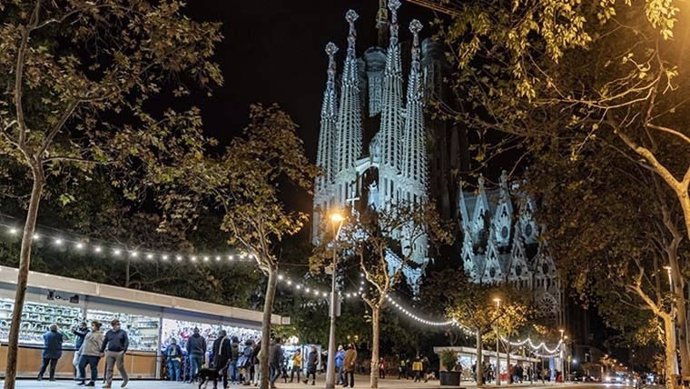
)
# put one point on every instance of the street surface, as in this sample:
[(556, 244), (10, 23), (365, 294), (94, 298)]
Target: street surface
[(362, 383)]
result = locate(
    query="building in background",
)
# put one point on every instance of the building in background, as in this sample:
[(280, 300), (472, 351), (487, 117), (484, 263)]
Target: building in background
[(501, 244), (377, 146)]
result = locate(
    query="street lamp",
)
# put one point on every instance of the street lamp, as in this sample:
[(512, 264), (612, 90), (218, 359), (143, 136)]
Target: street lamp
[(563, 337), (337, 220), (498, 356)]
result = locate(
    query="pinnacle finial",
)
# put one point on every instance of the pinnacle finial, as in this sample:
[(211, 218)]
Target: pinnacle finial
[(331, 49), (415, 26), (393, 5), (351, 16)]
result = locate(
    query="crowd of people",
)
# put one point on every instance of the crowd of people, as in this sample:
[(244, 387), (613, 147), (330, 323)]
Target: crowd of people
[(90, 346), (236, 361)]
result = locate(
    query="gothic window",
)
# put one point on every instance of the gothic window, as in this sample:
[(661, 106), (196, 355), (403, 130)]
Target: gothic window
[(492, 272), (518, 270), (504, 232), (545, 268), (528, 230)]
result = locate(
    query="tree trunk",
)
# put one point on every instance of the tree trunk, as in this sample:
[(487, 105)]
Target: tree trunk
[(23, 275), (479, 370), (670, 351), (375, 332), (684, 198), (510, 374), (266, 328)]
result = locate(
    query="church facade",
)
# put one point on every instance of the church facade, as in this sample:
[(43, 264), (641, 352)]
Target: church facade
[(501, 244), (377, 147), (393, 167)]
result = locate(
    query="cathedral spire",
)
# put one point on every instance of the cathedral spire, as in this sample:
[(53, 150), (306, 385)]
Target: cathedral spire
[(414, 147), (348, 141), (324, 157), (391, 111)]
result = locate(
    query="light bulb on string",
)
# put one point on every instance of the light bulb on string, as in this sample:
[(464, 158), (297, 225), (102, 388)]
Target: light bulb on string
[(164, 257), (206, 259), (134, 254), (97, 249), (217, 258), (13, 231), (79, 246), (149, 256), (117, 252), (193, 258), (178, 258), (36, 236), (58, 241)]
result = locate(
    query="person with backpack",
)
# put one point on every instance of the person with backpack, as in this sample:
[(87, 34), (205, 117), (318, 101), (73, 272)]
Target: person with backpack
[(173, 357), (244, 363)]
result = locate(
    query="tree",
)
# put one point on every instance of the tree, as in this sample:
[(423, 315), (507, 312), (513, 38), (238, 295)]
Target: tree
[(374, 239), (246, 183), (78, 78), (559, 76), (625, 235)]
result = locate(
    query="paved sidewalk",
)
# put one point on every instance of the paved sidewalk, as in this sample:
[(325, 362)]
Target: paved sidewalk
[(362, 382)]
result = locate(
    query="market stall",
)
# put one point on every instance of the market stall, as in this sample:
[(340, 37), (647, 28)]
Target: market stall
[(150, 320)]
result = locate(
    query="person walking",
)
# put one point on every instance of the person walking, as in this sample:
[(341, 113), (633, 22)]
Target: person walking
[(52, 351), (90, 354), (234, 356), (339, 361), (79, 335), (382, 368), (244, 363), (296, 366), (417, 367), (349, 365), (256, 375), (221, 357), (173, 355), (196, 349), (312, 363), (275, 357), (115, 345)]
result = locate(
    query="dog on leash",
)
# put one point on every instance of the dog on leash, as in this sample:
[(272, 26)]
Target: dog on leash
[(206, 375)]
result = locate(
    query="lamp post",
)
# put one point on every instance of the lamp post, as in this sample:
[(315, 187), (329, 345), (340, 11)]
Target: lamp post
[(498, 356), (562, 331), (337, 219)]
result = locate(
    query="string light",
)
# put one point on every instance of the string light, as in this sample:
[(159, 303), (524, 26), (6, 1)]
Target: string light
[(411, 315), (539, 346), (116, 250)]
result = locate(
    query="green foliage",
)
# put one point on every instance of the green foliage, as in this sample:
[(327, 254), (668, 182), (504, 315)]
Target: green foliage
[(449, 359)]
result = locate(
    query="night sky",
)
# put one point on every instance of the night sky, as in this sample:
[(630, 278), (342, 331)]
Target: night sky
[(273, 52)]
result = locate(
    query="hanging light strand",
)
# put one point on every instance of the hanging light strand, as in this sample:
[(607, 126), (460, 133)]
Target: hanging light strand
[(533, 346), (85, 245)]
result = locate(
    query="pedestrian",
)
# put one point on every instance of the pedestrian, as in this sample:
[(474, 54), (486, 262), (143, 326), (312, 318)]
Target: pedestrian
[(244, 363), (349, 364), (402, 371), (90, 354), (79, 334), (426, 368), (382, 368), (221, 357), (234, 356), (52, 351), (115, 346), (296, 366), (275, 358), (339, 360), (196, 349), (173, 356), (312, 363), (255, 362), (417, 368)]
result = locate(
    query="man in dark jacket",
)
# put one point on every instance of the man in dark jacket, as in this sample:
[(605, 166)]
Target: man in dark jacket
[(173, 356), (221, 356), (196, 349), (312, 364), (79, 333), (234, 356), (52, 351), (115, 345), (275, 361)]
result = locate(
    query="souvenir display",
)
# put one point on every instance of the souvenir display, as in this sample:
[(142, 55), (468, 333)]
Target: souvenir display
[(36, 319)]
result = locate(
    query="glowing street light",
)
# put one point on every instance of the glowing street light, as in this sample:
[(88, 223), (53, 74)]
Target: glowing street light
[(337, 219)]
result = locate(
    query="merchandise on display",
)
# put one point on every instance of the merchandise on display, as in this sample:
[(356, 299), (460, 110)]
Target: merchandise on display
[(141, 330), (36, 319)]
